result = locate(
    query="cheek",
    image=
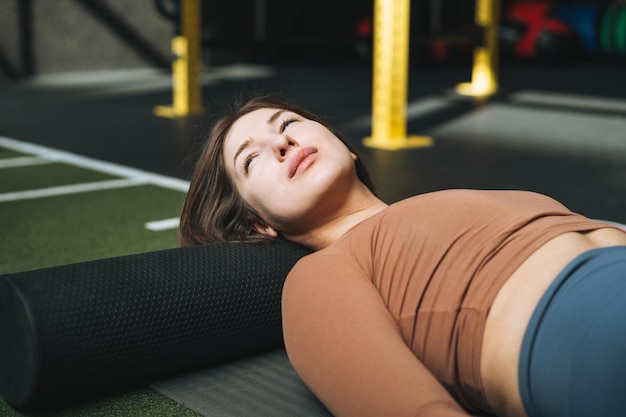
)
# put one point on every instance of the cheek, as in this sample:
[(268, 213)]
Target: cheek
[(258, 192), (271, 199)]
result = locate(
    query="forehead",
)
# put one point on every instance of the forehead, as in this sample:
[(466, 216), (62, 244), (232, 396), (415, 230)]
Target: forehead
[(246, 125), (258, 118)]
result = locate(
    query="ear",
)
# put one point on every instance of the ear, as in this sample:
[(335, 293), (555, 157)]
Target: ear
[(265, 229), (354, 156)]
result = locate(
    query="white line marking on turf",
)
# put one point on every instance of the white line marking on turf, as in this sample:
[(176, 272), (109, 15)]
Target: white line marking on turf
[(94, 164), (22, 161), (166, 224), (71, 189)]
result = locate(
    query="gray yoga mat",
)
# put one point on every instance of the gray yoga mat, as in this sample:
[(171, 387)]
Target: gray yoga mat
[(263, 385)]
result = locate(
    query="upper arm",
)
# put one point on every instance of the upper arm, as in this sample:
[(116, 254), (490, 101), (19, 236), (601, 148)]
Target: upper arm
[(347, 348)]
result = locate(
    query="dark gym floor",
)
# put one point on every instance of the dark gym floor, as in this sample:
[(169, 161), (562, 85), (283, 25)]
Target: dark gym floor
[(558, 128)]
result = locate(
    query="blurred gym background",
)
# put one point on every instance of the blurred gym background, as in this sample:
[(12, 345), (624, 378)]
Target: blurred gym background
[(43, 36)]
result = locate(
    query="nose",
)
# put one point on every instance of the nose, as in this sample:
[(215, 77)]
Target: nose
[(282, 144)]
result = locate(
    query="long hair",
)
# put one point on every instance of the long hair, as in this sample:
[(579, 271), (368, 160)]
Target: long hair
[(213, 210)]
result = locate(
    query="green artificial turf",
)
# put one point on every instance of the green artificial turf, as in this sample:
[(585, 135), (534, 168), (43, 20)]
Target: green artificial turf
[(47, 175), (43, 232), (6, 153), (51, 231)]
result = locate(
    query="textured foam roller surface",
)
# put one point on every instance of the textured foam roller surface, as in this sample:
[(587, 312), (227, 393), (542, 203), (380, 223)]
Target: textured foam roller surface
[(76, 330)]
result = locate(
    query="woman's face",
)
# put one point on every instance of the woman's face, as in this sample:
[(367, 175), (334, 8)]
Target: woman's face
[(292, 171)]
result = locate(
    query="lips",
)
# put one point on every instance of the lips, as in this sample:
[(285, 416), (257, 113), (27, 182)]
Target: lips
[(301, 160)]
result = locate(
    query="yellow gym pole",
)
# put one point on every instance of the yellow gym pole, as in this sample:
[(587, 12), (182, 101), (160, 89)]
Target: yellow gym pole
[(484, 73), (391, 62), (187, 92)]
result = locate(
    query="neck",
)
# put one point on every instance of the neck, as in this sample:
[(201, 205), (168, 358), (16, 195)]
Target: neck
[(332, 230)]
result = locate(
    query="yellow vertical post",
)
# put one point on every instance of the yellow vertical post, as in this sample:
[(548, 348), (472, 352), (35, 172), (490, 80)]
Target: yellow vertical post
[(390, 79), (186, 87), (484, 72)]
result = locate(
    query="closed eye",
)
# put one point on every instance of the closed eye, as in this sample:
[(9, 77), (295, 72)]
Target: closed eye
[(247, 161), (286, 123)]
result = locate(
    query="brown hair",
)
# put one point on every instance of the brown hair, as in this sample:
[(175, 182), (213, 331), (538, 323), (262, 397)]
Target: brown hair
[(213, 210)]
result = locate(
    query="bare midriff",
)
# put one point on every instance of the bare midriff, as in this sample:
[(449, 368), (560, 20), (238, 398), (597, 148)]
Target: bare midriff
[(513, 307)]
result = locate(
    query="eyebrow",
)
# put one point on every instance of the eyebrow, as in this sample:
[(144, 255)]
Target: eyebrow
[(273, 118), (244, 145)]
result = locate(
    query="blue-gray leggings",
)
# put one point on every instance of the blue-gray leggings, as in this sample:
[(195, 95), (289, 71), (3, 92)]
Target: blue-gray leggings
[(573, 358)]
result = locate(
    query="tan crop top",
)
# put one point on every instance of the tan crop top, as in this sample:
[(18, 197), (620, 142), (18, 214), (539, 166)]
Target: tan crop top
[(438, 260)]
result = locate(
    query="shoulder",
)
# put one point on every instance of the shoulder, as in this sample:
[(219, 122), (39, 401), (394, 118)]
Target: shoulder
[(323, 262), (322, 270)]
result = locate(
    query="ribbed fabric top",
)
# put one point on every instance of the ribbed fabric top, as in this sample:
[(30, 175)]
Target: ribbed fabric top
[(438, 261)]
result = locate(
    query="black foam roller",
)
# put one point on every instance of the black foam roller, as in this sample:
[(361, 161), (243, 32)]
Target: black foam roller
[(79, 329)]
